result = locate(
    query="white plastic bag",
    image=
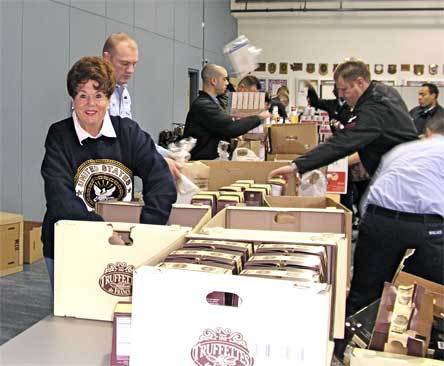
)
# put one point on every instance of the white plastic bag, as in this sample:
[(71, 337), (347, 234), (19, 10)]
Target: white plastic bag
[(313, 183), (244, 154), (186, 189)]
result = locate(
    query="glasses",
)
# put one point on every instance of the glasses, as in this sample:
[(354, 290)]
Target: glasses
[(96, 98)]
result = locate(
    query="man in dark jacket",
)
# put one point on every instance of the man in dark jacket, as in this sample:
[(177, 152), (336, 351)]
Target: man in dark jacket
[(208, 122), (428, 106), (379, 121), (337, 109)]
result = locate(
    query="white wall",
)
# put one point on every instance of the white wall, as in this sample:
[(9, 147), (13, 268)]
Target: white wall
[(377, 38), (41, 39)]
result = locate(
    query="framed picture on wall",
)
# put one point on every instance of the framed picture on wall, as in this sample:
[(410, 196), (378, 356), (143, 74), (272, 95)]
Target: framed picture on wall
[(301, 90), (387, 82), (275, 84), (263, 83), (326, 89)]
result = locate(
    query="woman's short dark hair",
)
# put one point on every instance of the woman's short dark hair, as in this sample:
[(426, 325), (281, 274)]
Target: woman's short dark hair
[(91, 68)]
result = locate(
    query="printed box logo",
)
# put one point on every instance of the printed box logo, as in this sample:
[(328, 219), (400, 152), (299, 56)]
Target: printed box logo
[(221, 347), (117, 279)]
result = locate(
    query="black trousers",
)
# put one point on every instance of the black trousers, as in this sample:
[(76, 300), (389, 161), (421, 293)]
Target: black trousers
[(384, 235)]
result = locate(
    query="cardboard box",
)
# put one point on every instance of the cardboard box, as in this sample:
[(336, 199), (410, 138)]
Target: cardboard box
[(181, 214), (434, 289), (11, 243), (293, 138), (282, 157), (223, 173), (365, 357), (33, 246), (320, 214), (91, 275), (276, 322), (121, 339), (259, 225)]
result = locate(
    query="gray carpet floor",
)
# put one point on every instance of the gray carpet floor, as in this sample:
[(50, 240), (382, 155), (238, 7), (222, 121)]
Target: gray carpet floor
[(25, 298)]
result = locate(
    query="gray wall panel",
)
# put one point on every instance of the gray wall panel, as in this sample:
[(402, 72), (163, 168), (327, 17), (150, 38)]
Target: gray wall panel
[(185, 57), (195, 23), (10, 128), (165, 18), (45, 99), (181, 21), (121, 10), (87, 35), (93, 6), (154, 84), (145, 14)]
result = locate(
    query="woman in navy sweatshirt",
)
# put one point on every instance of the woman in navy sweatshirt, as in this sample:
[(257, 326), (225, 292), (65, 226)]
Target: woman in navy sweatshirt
[(92, 157)]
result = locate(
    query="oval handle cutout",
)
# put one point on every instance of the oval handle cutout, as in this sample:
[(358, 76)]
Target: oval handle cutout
[(120, 237), (284, 219), (222, 298)]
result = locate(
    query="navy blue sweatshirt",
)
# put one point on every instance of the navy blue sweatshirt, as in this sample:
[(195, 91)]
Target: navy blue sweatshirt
[(78, 175)]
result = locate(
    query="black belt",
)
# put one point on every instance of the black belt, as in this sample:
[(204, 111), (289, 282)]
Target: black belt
[(407, 216)]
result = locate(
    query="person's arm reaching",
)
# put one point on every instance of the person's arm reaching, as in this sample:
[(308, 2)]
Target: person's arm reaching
[(159, 191)]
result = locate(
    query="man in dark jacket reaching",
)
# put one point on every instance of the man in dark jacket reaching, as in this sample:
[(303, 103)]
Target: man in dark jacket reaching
[(208, 122)]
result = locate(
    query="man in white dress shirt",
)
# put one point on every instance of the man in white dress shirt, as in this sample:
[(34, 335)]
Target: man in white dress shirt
[(122, 52)]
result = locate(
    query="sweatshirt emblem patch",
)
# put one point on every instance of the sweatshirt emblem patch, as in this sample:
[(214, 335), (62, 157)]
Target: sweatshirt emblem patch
[(103, 180)]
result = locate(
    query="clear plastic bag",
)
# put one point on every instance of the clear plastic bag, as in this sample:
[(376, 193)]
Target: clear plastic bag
[(313, 183), (242, 56), (180, 151)]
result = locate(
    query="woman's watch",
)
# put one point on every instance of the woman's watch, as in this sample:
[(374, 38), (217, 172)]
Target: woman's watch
[(294, 166)]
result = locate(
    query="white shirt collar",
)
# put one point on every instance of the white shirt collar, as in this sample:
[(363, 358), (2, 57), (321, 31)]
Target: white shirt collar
[(106, 130)]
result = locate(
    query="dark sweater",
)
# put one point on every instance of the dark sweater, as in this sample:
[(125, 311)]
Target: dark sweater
[(208, 122), (380, 120), (77, 176)]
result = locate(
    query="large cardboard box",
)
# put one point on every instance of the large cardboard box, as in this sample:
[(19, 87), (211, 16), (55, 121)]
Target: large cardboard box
[(223, 173), (32, 244), (320, 214), (276, 323), (11, 243), (33, 247), (92, 275), (282, 157), (293, 138), (365, 357), (265, 225)]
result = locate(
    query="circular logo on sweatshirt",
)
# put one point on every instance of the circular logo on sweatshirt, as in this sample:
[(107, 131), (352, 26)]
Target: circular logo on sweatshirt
[(103, 180)]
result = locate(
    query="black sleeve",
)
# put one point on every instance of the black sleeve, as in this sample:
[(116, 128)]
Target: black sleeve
[(221, 125), (357, 134), (159, 190), (312, 97), (61, 199)]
